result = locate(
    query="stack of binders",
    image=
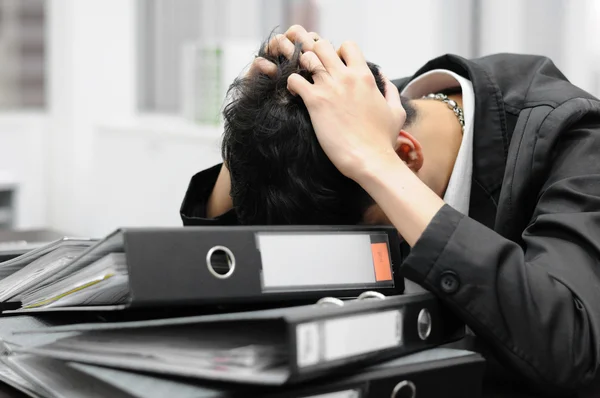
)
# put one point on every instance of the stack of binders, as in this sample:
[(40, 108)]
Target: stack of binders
[(227, 312)]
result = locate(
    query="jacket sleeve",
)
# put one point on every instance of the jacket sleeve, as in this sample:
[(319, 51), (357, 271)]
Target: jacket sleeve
[(537, 302), (193, 208)]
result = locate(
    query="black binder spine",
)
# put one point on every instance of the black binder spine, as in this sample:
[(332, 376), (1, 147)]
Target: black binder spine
[(169, 267), (362, 337), (460, 375)]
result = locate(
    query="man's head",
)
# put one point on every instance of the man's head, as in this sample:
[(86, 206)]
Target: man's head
[(279, 173)]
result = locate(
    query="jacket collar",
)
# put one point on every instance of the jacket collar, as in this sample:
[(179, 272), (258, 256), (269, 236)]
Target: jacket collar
[(490, 139)]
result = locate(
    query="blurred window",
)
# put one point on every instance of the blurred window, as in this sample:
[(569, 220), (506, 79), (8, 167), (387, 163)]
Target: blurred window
[(22, 51), (166, 28)]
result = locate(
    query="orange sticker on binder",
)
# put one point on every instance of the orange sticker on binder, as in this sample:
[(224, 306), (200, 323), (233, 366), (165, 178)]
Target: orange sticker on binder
[(381, 262)]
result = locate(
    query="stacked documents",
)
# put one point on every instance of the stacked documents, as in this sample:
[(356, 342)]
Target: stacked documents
[(67, 248), (439, 372), (364, 348), (272, 347), (24, 274), (102, 282), (314, 311), (149, 268)]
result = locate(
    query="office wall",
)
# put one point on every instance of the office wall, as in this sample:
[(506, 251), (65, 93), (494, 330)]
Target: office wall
[(140, 174), (564, 30), (23, 139), (399, 36), (136, 174), (91, 75)]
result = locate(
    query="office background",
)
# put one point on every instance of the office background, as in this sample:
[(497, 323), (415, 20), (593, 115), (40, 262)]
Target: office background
[(108, 107)]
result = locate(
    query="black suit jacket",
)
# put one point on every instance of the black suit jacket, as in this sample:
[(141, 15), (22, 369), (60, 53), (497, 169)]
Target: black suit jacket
[(523, 270)]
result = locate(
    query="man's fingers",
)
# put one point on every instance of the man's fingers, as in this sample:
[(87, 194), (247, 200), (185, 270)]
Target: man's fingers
[(298, 85), (281, 45), (352, 55), (328, 56), (261, 65), (313, 64), (298, 35), (392, 96), (294, 31)]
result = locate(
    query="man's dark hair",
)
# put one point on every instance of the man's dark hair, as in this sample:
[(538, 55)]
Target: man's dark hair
[(279, 173)]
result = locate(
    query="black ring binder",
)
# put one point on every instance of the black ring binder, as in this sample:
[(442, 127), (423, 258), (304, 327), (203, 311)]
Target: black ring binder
[(424, 324)]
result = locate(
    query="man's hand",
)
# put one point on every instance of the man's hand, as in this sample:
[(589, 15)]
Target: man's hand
[(357, 128), (355, 125), (284, 44)]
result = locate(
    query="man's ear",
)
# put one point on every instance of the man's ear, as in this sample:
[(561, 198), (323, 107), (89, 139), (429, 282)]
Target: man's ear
[(409, 150)]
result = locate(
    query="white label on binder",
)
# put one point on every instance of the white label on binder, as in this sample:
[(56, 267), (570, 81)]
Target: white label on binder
[(308, 344), (360, 334), (338, 394), (349, 336), (294, 259)]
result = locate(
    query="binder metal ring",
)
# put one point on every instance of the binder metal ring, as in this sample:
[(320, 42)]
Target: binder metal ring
[(404, 389), (330, 301), (424, 324), (230, 260), (370, 295)]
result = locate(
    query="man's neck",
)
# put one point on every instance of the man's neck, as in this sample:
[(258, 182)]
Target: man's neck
[(440, 135)]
